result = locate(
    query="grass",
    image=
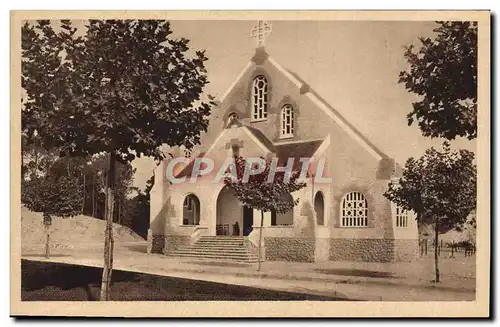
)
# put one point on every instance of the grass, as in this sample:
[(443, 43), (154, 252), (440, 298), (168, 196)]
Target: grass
[(45, 281)]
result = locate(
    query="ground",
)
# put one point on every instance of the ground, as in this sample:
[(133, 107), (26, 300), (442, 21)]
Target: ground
[(47, 281), (401, 281)]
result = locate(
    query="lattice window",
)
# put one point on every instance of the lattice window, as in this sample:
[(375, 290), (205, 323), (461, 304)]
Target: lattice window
[(401, 217), (287, 121), (354, 210), (259, 98)]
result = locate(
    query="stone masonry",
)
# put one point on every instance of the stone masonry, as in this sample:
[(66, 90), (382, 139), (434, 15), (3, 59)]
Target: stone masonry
[(290, 249), (379, 250)]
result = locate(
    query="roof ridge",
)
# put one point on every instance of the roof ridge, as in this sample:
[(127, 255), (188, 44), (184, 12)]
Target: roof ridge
[(300, 81)]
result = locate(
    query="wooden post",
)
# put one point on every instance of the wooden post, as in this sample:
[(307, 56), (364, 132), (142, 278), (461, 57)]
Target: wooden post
[(47, 246), (93, 193), (260, 238), (436, 254), (47, 221)]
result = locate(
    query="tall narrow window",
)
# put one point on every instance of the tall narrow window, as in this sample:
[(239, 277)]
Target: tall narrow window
[(259, 98), (354, 210), (191, 210), (401, 217), (287, 121)]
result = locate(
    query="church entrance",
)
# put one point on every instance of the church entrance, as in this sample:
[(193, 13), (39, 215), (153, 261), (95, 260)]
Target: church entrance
[(229, 220), (247, 220)]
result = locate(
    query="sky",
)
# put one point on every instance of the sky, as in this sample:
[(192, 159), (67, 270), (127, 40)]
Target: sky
[(353, 65)]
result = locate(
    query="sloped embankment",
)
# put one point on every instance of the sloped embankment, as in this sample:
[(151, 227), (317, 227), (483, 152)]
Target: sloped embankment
[(68, 232)]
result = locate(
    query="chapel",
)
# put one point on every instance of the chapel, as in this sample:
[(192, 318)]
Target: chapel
[(269, 111)]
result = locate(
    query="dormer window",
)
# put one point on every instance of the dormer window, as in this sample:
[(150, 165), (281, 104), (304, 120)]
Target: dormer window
[(232, 119), (287, 121), (259, 98)]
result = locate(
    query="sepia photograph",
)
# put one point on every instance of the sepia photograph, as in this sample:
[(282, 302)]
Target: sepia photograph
[(250, 164)]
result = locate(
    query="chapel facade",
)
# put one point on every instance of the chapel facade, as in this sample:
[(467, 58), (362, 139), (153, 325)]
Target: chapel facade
[(269, 112)]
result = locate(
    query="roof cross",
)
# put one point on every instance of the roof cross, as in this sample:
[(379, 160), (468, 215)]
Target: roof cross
[(260, 32)]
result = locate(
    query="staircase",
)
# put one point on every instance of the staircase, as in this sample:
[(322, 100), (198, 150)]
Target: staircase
[(233, 248)]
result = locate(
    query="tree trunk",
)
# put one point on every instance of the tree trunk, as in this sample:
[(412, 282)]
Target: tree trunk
[(108, 235), (119, 210), (93, 194), (47, 245), (83, 201), (260, 238), (436, 253)]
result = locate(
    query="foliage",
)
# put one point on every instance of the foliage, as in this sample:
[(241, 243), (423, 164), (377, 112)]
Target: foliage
[(54, 193), (87, 175), (440, 187), (443, 73), (260, 194), (124, 88)]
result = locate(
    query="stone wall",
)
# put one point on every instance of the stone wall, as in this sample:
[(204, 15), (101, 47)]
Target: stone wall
[(406, 250), (156, 243), (379, 250), (290, 249), (174, 242)]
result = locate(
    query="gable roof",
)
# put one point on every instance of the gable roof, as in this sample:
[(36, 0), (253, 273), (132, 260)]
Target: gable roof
[(283, 152), (318, 100), (296, 150), (261, 137), (188, 169)]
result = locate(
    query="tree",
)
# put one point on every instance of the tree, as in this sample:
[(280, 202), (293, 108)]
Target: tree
[(257, 192), (443, 73), (55, 192), (124, 88), (440, 187)]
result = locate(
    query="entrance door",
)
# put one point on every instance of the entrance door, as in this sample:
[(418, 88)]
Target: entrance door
[(247, 220), (229, 213)]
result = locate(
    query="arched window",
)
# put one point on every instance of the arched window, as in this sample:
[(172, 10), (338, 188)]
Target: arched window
[(191, 210), (319, 208), (259, 98), (287, 121), (401, 217), (283, 219), (354, 210)]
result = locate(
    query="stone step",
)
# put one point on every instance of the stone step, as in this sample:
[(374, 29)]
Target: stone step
[(217, 257), (225, 239), (217, 249), (220, 244), (222, 238), (220, 241), (212, 252), (213, 256), (239, 238)]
